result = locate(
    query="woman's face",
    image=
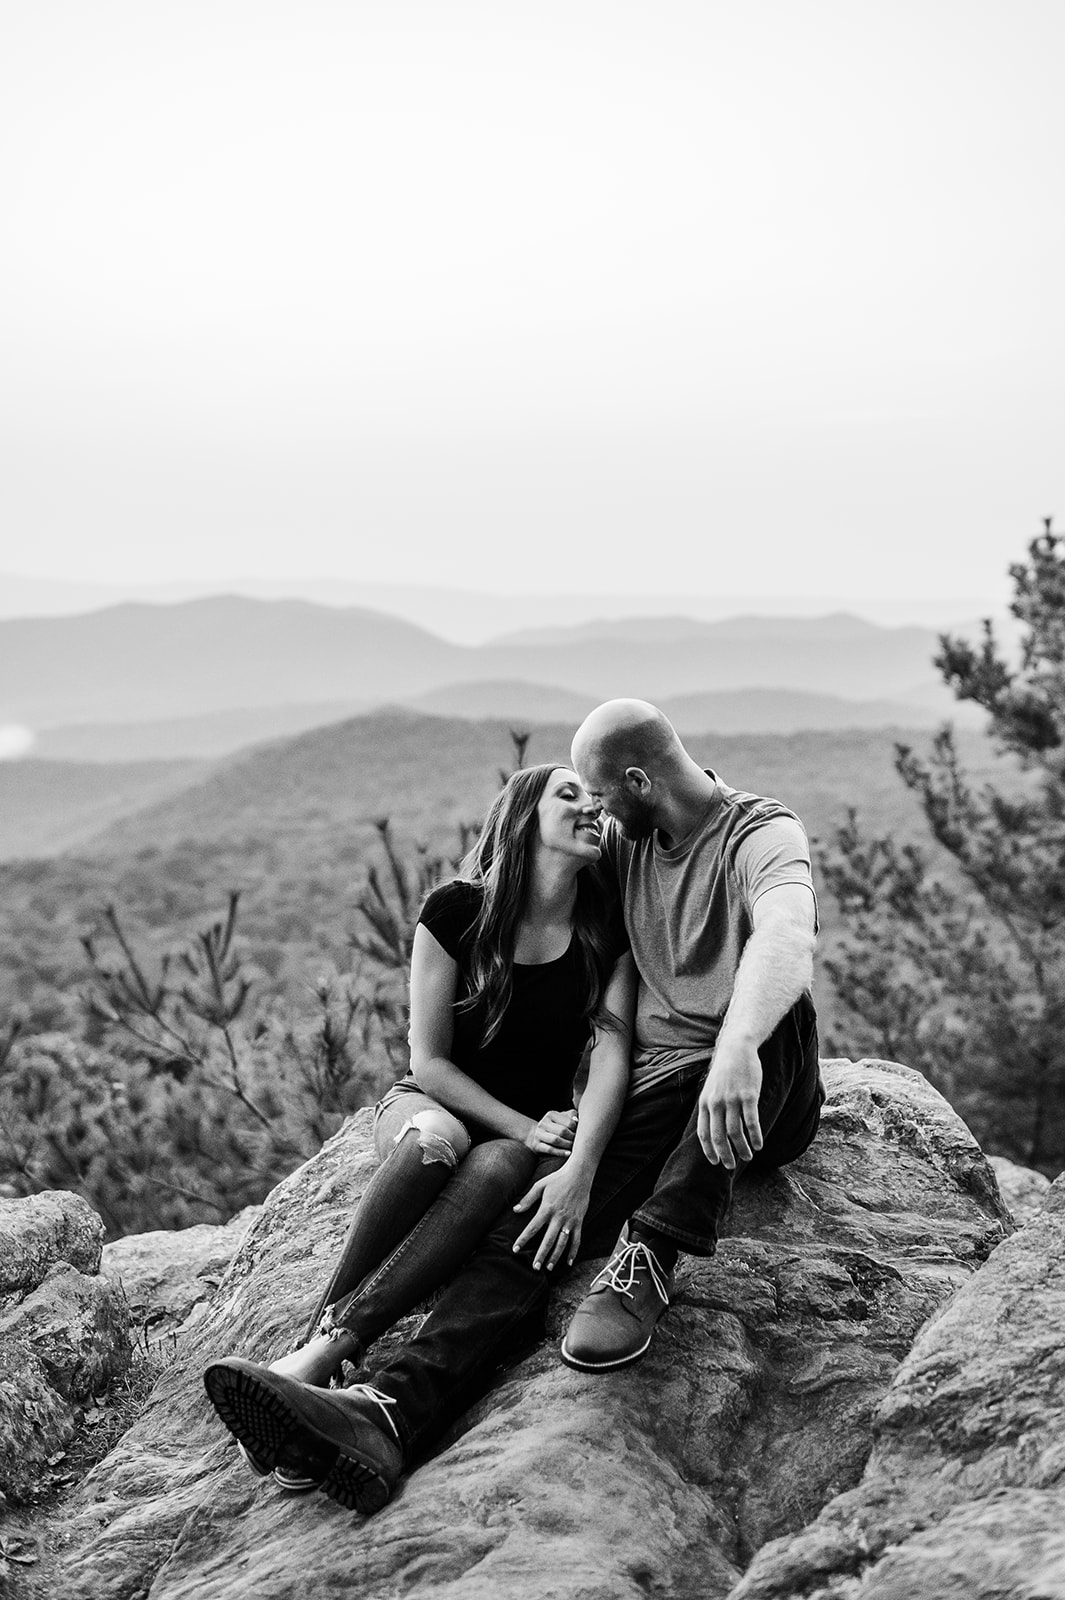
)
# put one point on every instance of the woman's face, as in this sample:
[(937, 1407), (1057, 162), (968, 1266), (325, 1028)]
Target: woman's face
[(569, 820)]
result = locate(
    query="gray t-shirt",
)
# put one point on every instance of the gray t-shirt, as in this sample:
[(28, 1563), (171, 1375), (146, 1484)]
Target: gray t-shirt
[(688, 914)]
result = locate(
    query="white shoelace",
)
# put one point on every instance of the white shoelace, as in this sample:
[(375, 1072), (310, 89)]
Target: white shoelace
[(621, 1270), (366, 1391)]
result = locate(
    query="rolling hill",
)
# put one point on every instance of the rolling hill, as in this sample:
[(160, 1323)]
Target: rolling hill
[(219, 733), (429, 773), (292, 825), (47, 806)]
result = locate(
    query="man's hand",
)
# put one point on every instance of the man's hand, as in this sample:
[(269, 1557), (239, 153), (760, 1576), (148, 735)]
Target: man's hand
[(729, 1130), (563, 1200)]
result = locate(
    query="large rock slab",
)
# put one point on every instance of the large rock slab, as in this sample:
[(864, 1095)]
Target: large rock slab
[(169, 1277), (752, 1410), (964, 1494)]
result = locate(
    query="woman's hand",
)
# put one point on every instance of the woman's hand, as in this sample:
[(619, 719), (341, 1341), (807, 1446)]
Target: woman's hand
[(563, 1200), (553, 1134)]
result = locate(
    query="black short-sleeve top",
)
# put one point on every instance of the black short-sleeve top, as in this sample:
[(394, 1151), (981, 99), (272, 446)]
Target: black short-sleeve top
[(531, 1062)]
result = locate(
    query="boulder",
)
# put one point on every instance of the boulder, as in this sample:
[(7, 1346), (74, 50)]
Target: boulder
[(964, 1494), (37, 1232), (1023, 1189), (752, 1410), (64, 1333)]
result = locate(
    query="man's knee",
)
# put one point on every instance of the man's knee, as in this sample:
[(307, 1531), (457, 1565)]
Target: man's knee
[(793, 1091)]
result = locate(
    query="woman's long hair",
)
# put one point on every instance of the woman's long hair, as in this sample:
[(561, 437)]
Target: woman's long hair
[(501, 862)]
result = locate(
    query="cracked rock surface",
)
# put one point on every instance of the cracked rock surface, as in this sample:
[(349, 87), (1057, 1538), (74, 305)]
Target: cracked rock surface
[(964, 1493), (751, 1415)]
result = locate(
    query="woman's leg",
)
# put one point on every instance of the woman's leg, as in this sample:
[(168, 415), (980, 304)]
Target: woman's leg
[(421, 1146), (488, 1181)]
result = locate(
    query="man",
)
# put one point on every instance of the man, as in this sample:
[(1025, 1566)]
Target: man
[(720, 910), (721, 914)]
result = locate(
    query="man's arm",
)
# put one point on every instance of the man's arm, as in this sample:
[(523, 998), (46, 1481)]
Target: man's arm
[(776, 967)]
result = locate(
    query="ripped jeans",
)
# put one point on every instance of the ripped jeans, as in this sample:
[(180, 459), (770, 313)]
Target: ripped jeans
[(422, 1214)]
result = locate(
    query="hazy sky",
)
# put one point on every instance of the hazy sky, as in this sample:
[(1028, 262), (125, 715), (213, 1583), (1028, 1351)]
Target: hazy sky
[(729, 297)]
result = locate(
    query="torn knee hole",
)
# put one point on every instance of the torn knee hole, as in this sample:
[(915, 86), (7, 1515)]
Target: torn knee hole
[(434, 1146)]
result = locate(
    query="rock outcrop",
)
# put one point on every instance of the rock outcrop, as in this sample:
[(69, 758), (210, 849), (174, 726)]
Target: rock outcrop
[(752, 1412), (965, 1491), (64, 1333)]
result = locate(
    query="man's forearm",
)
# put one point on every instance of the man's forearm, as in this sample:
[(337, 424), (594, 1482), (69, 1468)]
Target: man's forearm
[(775, 969)]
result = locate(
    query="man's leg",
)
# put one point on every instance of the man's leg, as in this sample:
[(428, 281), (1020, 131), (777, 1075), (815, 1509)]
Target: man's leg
[(615, 1322), (692, 1195)]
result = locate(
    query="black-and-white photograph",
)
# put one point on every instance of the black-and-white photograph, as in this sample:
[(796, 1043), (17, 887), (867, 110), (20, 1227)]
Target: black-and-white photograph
[(532, 800)]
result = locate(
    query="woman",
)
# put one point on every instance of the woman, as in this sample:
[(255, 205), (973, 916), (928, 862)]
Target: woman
[(514, 967)]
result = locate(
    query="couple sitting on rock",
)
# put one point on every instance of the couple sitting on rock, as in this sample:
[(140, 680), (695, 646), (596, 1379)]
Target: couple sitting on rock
[(633, 900)]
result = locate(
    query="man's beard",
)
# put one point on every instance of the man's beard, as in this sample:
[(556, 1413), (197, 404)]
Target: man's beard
[(638, 821)]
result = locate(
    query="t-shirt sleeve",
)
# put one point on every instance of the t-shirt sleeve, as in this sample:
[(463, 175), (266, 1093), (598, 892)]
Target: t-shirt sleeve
[(775, 852), (450, 912)]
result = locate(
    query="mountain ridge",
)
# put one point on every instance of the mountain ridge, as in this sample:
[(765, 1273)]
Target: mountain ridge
[(219, 733), (429, 774), (136, 662), (469, 616)]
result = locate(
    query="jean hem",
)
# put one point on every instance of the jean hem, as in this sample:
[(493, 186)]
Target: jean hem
[(695, 1244)]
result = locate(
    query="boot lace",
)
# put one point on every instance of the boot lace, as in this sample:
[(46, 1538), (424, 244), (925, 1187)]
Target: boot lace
[(366, 1391), (624, 1267)]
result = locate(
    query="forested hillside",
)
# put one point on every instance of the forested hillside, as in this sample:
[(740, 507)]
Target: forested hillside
[(225, 1039), (292, 826)]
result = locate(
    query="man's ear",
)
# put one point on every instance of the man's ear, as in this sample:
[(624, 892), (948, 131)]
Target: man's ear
[(637, 779)]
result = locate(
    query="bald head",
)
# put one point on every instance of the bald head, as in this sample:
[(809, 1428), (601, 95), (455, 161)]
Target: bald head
[(630, 760), (627, 733)]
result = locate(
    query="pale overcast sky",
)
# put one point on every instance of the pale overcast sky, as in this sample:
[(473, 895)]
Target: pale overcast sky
[(720, 297)]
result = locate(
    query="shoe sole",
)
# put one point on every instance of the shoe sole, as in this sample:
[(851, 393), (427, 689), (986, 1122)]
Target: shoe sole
[(261, 1421), (604, 1366), (358, 1487)]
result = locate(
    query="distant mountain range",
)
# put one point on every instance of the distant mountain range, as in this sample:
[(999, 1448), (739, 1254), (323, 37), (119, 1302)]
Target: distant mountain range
[(470, 616), (206, 676)]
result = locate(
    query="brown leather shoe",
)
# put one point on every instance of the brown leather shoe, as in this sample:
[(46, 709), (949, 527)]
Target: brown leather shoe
[(616, 1320)]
